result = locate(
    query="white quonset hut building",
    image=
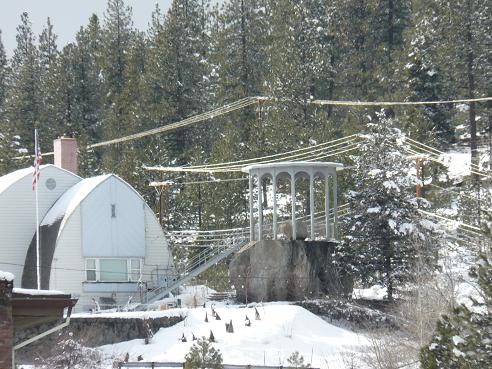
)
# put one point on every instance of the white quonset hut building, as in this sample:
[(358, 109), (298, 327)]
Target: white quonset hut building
[(99, 239)]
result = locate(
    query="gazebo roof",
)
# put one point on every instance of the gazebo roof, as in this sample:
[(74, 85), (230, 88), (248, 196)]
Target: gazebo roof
[(295, 165)]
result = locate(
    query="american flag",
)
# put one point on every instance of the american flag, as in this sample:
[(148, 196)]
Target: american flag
[(37, 160)]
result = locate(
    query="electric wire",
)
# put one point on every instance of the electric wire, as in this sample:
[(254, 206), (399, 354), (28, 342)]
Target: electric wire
[(322, 153)]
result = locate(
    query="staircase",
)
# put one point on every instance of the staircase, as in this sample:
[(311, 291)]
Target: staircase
[(218, 250)]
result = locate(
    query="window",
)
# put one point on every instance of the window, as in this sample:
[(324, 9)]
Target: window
[(135, 270), (113, 270), (90, 268), (113, 210)]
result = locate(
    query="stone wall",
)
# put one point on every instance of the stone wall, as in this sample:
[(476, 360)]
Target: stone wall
[(6, 324), (287, 270), (91, 332)]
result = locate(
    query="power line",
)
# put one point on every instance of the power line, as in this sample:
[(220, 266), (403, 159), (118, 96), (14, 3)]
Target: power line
[(307, 154), (396, 103), (247, 101), (239, 104), (167, 183), (304, 149)]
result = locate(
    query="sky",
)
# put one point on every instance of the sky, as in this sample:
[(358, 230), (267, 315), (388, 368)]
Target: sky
[(66, 15)]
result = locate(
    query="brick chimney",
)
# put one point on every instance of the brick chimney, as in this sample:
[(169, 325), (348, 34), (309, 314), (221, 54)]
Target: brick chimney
[(65, 149), (6, 324)]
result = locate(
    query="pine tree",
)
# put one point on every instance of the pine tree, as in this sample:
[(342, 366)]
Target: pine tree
[(50, 114), (88, 90), (3, 74), (383, 220), (299, 72), (178, 88), (425, 82), (463, 339), (203, 355), (23, 100), (116, 39), (7, 142), (463, 29)]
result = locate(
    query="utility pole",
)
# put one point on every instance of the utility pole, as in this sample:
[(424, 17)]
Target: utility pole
[(420, 177)]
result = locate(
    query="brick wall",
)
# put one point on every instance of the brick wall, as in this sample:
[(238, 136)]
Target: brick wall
[(6, 324)]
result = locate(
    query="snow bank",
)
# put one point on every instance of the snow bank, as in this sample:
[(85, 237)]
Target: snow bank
[(282, 330), (6, 276), (30, 292)]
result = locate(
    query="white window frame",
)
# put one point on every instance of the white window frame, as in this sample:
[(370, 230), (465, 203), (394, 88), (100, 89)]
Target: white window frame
[(96, 262), (129, 269)]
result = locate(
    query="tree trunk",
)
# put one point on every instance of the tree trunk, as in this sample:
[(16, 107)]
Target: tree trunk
[(199, 207), (471, 87), (388, 269)]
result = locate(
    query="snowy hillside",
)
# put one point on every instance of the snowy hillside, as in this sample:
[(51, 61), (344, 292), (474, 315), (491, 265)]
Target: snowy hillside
[(282, 330)]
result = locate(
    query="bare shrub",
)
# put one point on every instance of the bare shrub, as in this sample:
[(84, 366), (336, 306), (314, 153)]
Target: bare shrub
[(388, 350), (70, 353)]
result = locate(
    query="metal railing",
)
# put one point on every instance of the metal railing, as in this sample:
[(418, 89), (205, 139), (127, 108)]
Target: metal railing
[(154, 364)]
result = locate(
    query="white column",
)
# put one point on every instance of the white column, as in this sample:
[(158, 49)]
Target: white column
[(274, 193), (335, 206), (251, 219), (260, 209), (293, 199), (327, 207), (311, 202)]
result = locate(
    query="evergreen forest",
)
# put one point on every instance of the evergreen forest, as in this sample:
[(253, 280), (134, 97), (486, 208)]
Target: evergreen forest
[(113, 80)]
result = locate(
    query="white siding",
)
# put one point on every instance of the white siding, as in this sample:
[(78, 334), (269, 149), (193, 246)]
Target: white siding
[(69, 253), (107, 236), (158, 258), (18, 217), (68, 268)]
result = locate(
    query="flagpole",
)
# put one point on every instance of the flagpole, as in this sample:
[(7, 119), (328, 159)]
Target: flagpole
[(36, 145)]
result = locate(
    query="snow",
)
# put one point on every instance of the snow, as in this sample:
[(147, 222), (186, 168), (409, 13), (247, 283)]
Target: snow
[(458, 353), (294, 164), (30, 292), (406, 228), (6, 276), (374, 172), (458, 163), (132, 314), (375, 209), (9, 179), (376, 292), (457, 340), (282, 330), (65, 206), (391, 185), (462, 107), (190, 296)]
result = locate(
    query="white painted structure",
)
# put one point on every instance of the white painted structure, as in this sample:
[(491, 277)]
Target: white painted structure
[(294, 170), (99, 239), (17, 214)]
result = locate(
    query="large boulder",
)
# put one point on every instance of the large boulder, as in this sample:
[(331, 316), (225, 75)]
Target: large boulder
[(287, 270)]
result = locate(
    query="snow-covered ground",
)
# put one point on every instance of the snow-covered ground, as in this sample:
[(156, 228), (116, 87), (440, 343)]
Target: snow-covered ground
[(282, 330), (376, 292)]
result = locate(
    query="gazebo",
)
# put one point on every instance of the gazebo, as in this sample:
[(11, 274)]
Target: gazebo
[(293, 171)]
